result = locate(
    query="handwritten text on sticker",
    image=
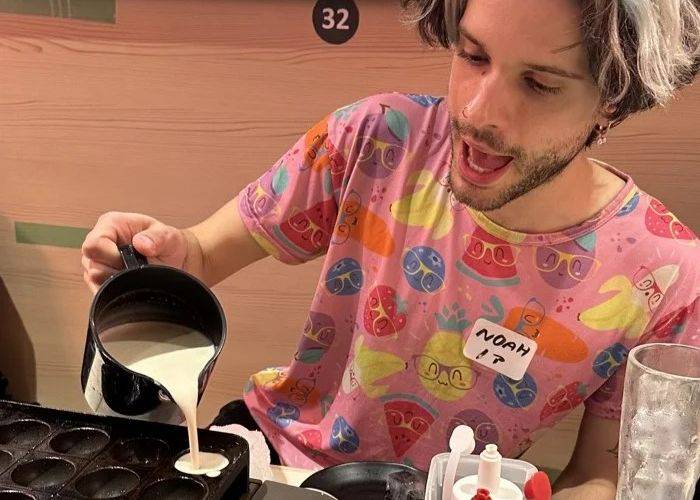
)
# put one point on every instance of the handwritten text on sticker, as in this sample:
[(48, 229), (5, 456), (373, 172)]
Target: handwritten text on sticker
[(500, 349)]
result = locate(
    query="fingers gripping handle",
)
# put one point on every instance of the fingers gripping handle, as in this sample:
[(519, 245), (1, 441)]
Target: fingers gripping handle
[(131, 258)]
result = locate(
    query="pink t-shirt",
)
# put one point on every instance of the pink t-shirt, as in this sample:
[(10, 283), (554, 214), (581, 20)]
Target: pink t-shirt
[(379, 372)]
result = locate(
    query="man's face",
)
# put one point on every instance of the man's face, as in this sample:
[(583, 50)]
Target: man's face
[(522, 101)]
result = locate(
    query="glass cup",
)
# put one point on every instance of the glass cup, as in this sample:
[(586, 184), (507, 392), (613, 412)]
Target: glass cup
[(659, 450)]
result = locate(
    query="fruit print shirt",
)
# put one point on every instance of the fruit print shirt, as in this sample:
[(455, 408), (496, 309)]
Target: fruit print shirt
[(379, 372)]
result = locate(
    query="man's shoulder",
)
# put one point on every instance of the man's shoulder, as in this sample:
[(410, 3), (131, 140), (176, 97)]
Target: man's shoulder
[(665, 230), (663, 241), (390, 128), (398, 98), (394, 107)]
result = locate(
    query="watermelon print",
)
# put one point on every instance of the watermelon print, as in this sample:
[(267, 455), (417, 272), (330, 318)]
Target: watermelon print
[(311, 439), (489, 260), (308, 232), (671, 326), (660, 222), (407, 419), (563, 400)]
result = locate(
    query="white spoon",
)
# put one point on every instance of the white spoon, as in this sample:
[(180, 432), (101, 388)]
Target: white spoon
[(461, 441)]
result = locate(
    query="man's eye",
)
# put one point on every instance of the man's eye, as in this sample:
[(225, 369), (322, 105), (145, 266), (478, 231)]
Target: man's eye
[(471, 58), (542, 89)]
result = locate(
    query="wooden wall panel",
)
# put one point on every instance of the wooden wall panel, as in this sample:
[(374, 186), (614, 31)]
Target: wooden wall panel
[(174, 108), (170, 112)]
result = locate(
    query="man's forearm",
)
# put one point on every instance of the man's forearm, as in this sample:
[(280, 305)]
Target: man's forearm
[(194, 259), (592, 471), (598, 489), (571, 486), (220, 245)]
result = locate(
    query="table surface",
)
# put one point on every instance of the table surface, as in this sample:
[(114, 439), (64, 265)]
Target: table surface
[(289, 475)]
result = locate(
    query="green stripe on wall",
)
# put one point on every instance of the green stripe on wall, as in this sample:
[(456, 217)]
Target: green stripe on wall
[(46, 234), (88, 10)]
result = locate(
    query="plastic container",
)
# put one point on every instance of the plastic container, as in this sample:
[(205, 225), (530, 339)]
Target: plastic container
[(516, 471)]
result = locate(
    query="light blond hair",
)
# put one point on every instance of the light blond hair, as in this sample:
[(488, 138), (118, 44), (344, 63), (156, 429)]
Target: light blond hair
[(640, 52)]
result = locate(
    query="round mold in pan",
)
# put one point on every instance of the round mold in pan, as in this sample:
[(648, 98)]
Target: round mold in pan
[(206, 449), (6, 458), (6, 412), (81, 442), (107, 482), (175, 488), (140, 452), (9, 494), (43, 473), (24, 433)]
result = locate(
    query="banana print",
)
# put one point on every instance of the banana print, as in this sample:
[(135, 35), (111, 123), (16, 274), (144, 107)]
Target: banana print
[(630, 309), (369, 368), (428, 206)]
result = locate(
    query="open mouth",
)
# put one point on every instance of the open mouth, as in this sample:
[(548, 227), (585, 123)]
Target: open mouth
[(481, 168)]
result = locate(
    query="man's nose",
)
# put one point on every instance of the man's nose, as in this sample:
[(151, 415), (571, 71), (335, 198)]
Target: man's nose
[(486, 106)]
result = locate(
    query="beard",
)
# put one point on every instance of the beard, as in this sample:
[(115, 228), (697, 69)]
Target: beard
[(533, 169)]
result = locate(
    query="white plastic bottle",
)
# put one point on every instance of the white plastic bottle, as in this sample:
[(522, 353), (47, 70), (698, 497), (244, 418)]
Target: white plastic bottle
[(488, 477), (489, 468)]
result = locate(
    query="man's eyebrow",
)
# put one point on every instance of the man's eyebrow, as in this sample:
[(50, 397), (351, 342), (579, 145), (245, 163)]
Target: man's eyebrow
[(535, 67), (471, 38), (555, 71), (566, 47)]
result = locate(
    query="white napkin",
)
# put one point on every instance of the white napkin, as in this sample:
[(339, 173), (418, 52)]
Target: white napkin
[(259, 451)]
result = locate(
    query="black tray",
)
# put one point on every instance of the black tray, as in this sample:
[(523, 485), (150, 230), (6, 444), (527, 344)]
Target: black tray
[(47, 453)]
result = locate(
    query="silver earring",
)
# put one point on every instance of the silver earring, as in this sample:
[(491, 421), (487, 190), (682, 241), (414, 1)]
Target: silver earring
[(602, 134)]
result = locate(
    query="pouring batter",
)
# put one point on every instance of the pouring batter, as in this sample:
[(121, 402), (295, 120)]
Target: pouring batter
[(174, 356)]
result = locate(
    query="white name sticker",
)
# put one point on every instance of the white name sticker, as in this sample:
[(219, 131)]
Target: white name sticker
[(500, 349)]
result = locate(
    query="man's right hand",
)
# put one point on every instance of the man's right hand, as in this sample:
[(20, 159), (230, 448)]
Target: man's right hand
[(160, 243)]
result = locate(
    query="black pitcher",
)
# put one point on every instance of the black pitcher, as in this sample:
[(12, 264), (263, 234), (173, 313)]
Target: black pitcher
[(144, 292)]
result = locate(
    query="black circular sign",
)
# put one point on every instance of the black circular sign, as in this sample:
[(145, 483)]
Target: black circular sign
[(336, 21)]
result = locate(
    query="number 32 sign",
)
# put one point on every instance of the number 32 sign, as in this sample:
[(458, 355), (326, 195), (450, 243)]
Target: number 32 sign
[(336, 21)]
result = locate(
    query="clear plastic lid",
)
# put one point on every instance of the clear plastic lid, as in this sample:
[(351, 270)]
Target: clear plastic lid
[(516, 471)]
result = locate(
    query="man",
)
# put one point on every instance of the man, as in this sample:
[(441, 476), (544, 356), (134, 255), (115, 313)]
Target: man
[(433, 213)]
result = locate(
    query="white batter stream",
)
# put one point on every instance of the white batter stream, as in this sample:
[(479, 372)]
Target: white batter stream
[(174, 356)]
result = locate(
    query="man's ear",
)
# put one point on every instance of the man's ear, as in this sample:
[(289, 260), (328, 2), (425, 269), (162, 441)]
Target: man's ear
[(605, 113)]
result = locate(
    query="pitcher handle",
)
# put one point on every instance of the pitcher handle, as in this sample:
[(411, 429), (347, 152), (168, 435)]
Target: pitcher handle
[(131, 258)]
